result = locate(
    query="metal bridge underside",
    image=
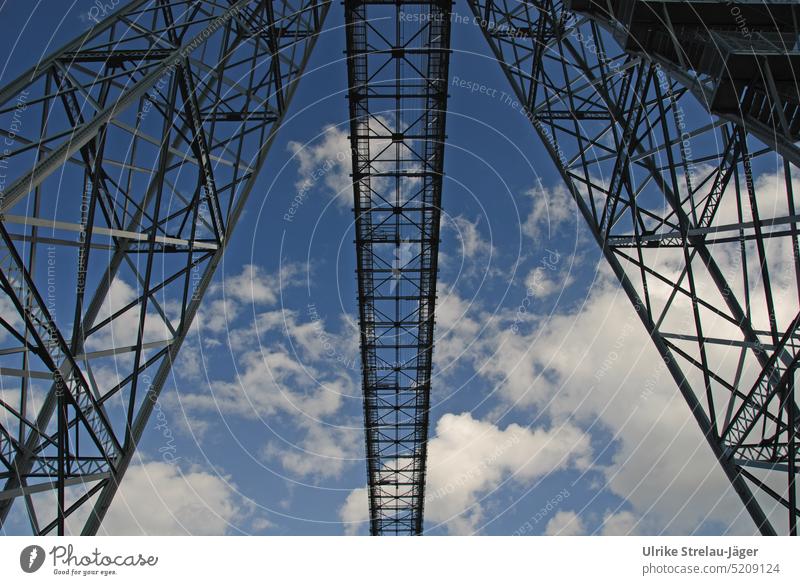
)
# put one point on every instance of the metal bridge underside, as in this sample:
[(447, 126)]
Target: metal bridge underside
[(398, 70)]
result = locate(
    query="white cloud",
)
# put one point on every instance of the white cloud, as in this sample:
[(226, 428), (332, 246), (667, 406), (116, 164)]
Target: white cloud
[(595, 363), (255, 286), (283, 363), (355, 511), (157, 498), (471, 243), (553, 208), (456, 331), (216, 315), (190, 364), (11, 396), (322, 452), (565, 523), (470, 458), (271, 381), (311, 339), (11, 315), (600, 366), (287, 364), (327, 160), (597, 366), (543, 282), (619, 524)]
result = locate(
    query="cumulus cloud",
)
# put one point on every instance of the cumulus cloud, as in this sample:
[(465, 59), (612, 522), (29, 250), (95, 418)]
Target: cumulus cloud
[(252, 286), (287, 364), (565, 523), (543, 282), (456, 331), (322, 452), (623, 523), (271, 381), (470, 458), (596, 364), (552, 208), (325, 160), (256, 286), (11, 403), (469, 234), (157, 498), (355, 511), (11, 316)]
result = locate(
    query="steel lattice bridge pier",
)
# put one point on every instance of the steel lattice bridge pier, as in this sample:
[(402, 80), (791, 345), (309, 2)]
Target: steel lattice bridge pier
[(157, 122), (659, 115)]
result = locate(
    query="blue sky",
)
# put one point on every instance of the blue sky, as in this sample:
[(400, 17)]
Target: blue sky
[(548, 419)]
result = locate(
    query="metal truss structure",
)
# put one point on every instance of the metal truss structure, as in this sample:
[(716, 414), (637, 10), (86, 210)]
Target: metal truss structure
[(673, 124), (660, 115), (398, 55), (129, 155)]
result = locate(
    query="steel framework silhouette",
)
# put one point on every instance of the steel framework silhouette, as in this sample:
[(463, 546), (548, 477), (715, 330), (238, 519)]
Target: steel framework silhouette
[(663, 118), (134, 150), (398, 100), (656, 114)]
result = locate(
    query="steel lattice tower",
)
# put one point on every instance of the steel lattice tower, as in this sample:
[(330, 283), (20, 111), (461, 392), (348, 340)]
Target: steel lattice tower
[(659, 116), (656, 114), (152, 129)]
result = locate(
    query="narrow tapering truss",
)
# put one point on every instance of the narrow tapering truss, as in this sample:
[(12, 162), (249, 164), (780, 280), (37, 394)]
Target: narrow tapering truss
[(128, 157), (398, 54), (676, 133)]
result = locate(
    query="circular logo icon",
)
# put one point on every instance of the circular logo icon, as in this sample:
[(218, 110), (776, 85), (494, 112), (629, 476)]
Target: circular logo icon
[(31, 558)]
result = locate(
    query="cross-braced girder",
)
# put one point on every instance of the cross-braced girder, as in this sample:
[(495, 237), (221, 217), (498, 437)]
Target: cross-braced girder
[(691, 202), (132, 151), (398, 55)]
